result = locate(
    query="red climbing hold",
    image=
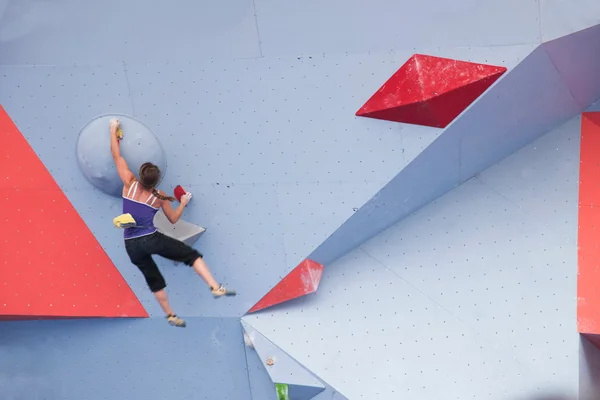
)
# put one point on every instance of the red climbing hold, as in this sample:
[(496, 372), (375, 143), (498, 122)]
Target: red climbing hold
[(430, 91), (52, 266), (303, 279)]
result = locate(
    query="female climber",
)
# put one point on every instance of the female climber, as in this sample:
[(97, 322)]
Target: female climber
[(142, 200)]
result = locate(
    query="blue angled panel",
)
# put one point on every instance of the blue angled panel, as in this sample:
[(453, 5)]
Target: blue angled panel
[(298, 392), (530, 101), (594, 107), (379, 25), (261, 385), (71, 32), (527, 102), (577, 65), (116, 359), (285, 369)]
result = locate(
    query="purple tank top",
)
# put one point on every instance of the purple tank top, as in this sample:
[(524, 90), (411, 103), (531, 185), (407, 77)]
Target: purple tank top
[(143, 213)]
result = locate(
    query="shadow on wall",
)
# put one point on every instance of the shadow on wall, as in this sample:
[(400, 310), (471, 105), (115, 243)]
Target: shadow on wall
[(589, 370)]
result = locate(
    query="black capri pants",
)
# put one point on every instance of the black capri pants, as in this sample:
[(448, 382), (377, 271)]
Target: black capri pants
[(141, 250)]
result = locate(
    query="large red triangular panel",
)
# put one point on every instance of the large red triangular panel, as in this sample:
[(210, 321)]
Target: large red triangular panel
[(51, 264), (303, 279), (430, 91)]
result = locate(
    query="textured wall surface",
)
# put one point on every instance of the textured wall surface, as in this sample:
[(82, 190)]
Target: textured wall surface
[(100, 359), (477, 291), (253, 102)]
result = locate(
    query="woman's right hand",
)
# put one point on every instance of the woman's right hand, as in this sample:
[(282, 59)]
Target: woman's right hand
[(114, 125), (185, 199)]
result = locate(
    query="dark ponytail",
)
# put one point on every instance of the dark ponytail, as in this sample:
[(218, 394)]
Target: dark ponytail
[(149, 177), (161, 197)]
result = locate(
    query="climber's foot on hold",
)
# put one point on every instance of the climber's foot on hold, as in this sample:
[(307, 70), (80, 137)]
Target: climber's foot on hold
[(175, 321), (222, 291)]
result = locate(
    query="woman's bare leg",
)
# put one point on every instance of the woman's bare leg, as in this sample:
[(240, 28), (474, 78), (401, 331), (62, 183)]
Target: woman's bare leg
[(173, 319), (161, 296), (202, 269)]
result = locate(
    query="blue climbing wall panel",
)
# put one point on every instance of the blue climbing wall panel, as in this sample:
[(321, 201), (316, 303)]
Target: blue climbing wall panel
[(99, 359), (477, 289), (253, 102)]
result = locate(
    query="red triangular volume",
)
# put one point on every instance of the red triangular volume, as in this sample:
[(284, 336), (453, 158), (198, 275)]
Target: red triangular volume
[(303, 279), (52, 266), (430, 91)]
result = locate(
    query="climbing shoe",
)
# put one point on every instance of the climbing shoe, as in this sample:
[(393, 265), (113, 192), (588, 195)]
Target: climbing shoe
[(222, 291), (175, 321)]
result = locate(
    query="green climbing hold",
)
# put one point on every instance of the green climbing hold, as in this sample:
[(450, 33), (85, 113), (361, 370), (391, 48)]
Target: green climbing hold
[(282, 391)]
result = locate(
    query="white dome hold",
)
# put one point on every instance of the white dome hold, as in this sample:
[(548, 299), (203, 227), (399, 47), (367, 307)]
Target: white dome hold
[(139, 145)]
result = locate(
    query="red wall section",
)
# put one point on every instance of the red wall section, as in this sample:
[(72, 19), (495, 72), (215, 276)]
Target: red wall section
[(51, 263), (588, 278)]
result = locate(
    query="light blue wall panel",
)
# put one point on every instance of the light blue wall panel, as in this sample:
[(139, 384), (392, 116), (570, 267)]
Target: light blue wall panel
[(261, 385), (526, 103), (369, 334), (577, 64), (270, 120), (486, 273), (560, 18), (540, 172), (123, 359), (89, 32), (338, 26), (50, 105)]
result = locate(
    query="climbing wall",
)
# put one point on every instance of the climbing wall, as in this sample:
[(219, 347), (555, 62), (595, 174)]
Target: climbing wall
[(477, 289), (254, 102)]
